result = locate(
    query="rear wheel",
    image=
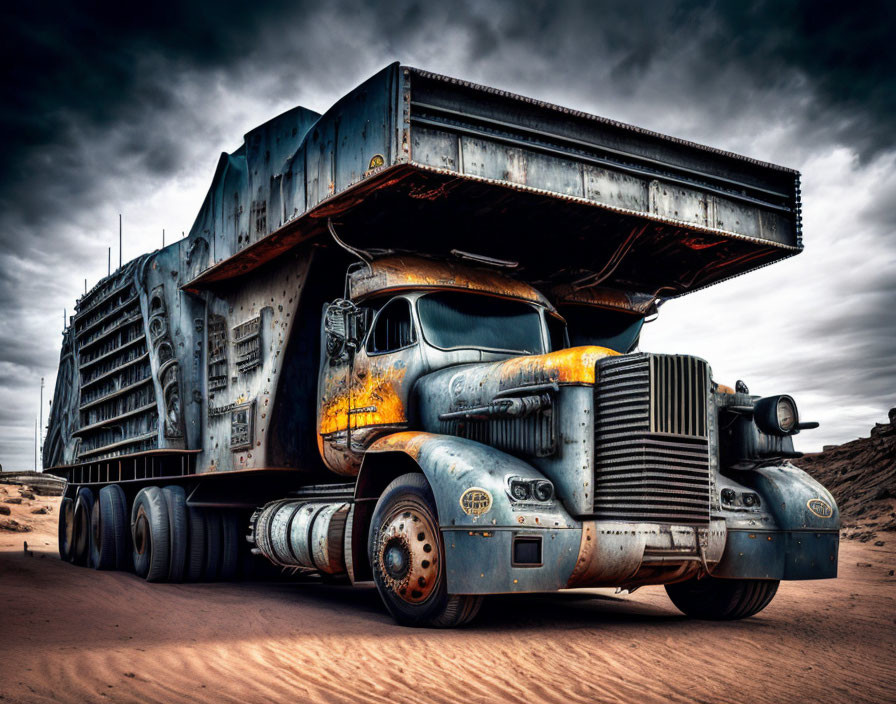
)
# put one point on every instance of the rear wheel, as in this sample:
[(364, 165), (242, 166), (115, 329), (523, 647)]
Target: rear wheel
[(212, 568), (121, 530), (102, 532), (82, 528), (178, 526), (151, 535), (722, 599), (407, 555), (230, 544), (66, 529), (196, 553)]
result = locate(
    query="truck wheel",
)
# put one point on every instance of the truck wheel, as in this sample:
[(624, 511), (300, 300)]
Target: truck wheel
[(102, 532), (722, 599), (120, 528), (176, 501), (230, 544), (151, 535), (66, 529), (82, 541), (212, 568), (407, 555), (196, 554)]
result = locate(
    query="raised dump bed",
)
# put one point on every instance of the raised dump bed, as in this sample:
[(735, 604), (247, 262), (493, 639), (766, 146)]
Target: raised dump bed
[(416, 161)]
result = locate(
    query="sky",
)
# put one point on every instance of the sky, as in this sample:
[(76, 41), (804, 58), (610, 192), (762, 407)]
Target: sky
[(109, 109)]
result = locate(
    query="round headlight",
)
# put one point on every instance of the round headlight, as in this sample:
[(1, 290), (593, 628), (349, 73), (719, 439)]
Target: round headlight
[(543, 490), (519, 490), (786, 412), (776, 415)]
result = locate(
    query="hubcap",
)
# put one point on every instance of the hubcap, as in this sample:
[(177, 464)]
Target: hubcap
[(408, 554)]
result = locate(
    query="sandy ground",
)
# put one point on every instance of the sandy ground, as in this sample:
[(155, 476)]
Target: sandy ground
[(72, 634)]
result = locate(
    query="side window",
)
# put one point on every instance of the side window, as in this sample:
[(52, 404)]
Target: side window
[(393, 328), (557, 332)]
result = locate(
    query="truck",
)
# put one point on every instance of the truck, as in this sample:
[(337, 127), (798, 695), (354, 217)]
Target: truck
[(400, 346)]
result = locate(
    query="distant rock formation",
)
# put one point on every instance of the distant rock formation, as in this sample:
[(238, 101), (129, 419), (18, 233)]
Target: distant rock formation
[(862, 477)]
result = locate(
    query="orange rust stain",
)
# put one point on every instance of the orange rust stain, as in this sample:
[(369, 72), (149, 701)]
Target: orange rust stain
[(722, 389), (571, 366), (394, 273), (409, 442), (372, 401)]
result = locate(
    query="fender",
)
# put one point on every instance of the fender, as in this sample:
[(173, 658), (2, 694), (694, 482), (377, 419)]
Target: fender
[(452, 466), (807, 536)]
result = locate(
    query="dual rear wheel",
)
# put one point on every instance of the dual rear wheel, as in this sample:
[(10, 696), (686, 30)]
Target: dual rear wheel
[(161, 540)]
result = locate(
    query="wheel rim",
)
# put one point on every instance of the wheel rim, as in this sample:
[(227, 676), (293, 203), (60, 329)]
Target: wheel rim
[(407, 553), (141, 532)]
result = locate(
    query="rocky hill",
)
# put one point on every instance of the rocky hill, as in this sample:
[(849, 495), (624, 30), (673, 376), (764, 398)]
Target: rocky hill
[(862, 477)]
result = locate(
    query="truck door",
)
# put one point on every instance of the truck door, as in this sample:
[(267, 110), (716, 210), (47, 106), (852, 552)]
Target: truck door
[(382, 374)]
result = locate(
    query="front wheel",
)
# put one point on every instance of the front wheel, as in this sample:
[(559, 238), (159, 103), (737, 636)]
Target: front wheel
[(407, 557), (722, 599)]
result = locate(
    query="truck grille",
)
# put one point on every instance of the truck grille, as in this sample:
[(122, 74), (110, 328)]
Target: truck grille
[(651, 439)]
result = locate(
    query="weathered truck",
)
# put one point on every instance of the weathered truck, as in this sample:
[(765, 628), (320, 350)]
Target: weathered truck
[(400, 345)]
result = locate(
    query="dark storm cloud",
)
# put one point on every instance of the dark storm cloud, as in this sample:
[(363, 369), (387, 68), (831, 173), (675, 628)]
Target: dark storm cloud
[(106, 102)]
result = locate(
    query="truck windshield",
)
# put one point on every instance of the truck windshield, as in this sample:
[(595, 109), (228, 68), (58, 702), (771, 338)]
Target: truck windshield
[(616, 330), (453, 320)]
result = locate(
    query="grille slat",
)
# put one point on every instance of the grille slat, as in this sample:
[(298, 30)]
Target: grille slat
[(651, 444)]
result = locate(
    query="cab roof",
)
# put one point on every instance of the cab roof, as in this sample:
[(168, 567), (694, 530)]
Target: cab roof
[(396, 273)]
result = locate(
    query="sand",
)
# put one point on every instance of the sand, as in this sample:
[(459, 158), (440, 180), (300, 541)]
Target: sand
[(72, 634)]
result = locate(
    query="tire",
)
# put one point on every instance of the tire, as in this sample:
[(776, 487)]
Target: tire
[(196, 553), (121, 530), (82, 534), (178, 528), (212, 567), (151, 535), (102, 533), (407, 556), (722, 599), (66, 529), (230, 544)]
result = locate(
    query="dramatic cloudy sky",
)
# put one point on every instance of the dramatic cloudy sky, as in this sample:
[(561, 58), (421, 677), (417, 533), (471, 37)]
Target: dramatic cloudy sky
[(107, 111)]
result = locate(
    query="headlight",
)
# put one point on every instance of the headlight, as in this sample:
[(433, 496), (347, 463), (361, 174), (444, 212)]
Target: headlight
[(519, 490), (786, 414), (776, 415), (543, 490)]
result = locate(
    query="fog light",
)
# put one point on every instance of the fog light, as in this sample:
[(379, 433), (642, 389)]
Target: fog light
[(728, 496), (751, 500)]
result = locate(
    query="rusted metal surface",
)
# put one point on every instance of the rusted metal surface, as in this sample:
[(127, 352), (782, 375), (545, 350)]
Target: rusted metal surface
[(601, 297), (397, 273)]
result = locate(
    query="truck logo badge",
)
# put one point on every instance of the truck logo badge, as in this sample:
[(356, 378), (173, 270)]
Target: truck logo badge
[(820, 508), (475, 501)]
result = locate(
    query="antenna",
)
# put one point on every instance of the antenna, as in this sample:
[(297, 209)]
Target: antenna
[(64, 318), (109, 264), (119, 240), (41, 420), (163, 238), (85, 287)]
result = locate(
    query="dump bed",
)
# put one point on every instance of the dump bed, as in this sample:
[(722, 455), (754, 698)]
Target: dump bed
[(416, 161)]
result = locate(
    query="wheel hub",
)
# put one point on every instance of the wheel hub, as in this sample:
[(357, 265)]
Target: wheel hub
[(409, 555)]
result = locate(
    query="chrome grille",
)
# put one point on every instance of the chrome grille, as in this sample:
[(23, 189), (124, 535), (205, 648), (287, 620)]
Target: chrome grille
[(651, 444)]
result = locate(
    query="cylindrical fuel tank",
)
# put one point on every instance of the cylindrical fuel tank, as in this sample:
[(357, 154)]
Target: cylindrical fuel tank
[(302, 534)]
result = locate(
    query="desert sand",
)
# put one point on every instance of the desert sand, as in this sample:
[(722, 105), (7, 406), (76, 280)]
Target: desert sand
[(72, 634)]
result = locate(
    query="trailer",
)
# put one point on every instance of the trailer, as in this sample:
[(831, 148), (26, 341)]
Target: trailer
[(400, 345)]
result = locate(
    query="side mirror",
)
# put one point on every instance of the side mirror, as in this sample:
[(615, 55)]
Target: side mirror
[(345, 326)]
